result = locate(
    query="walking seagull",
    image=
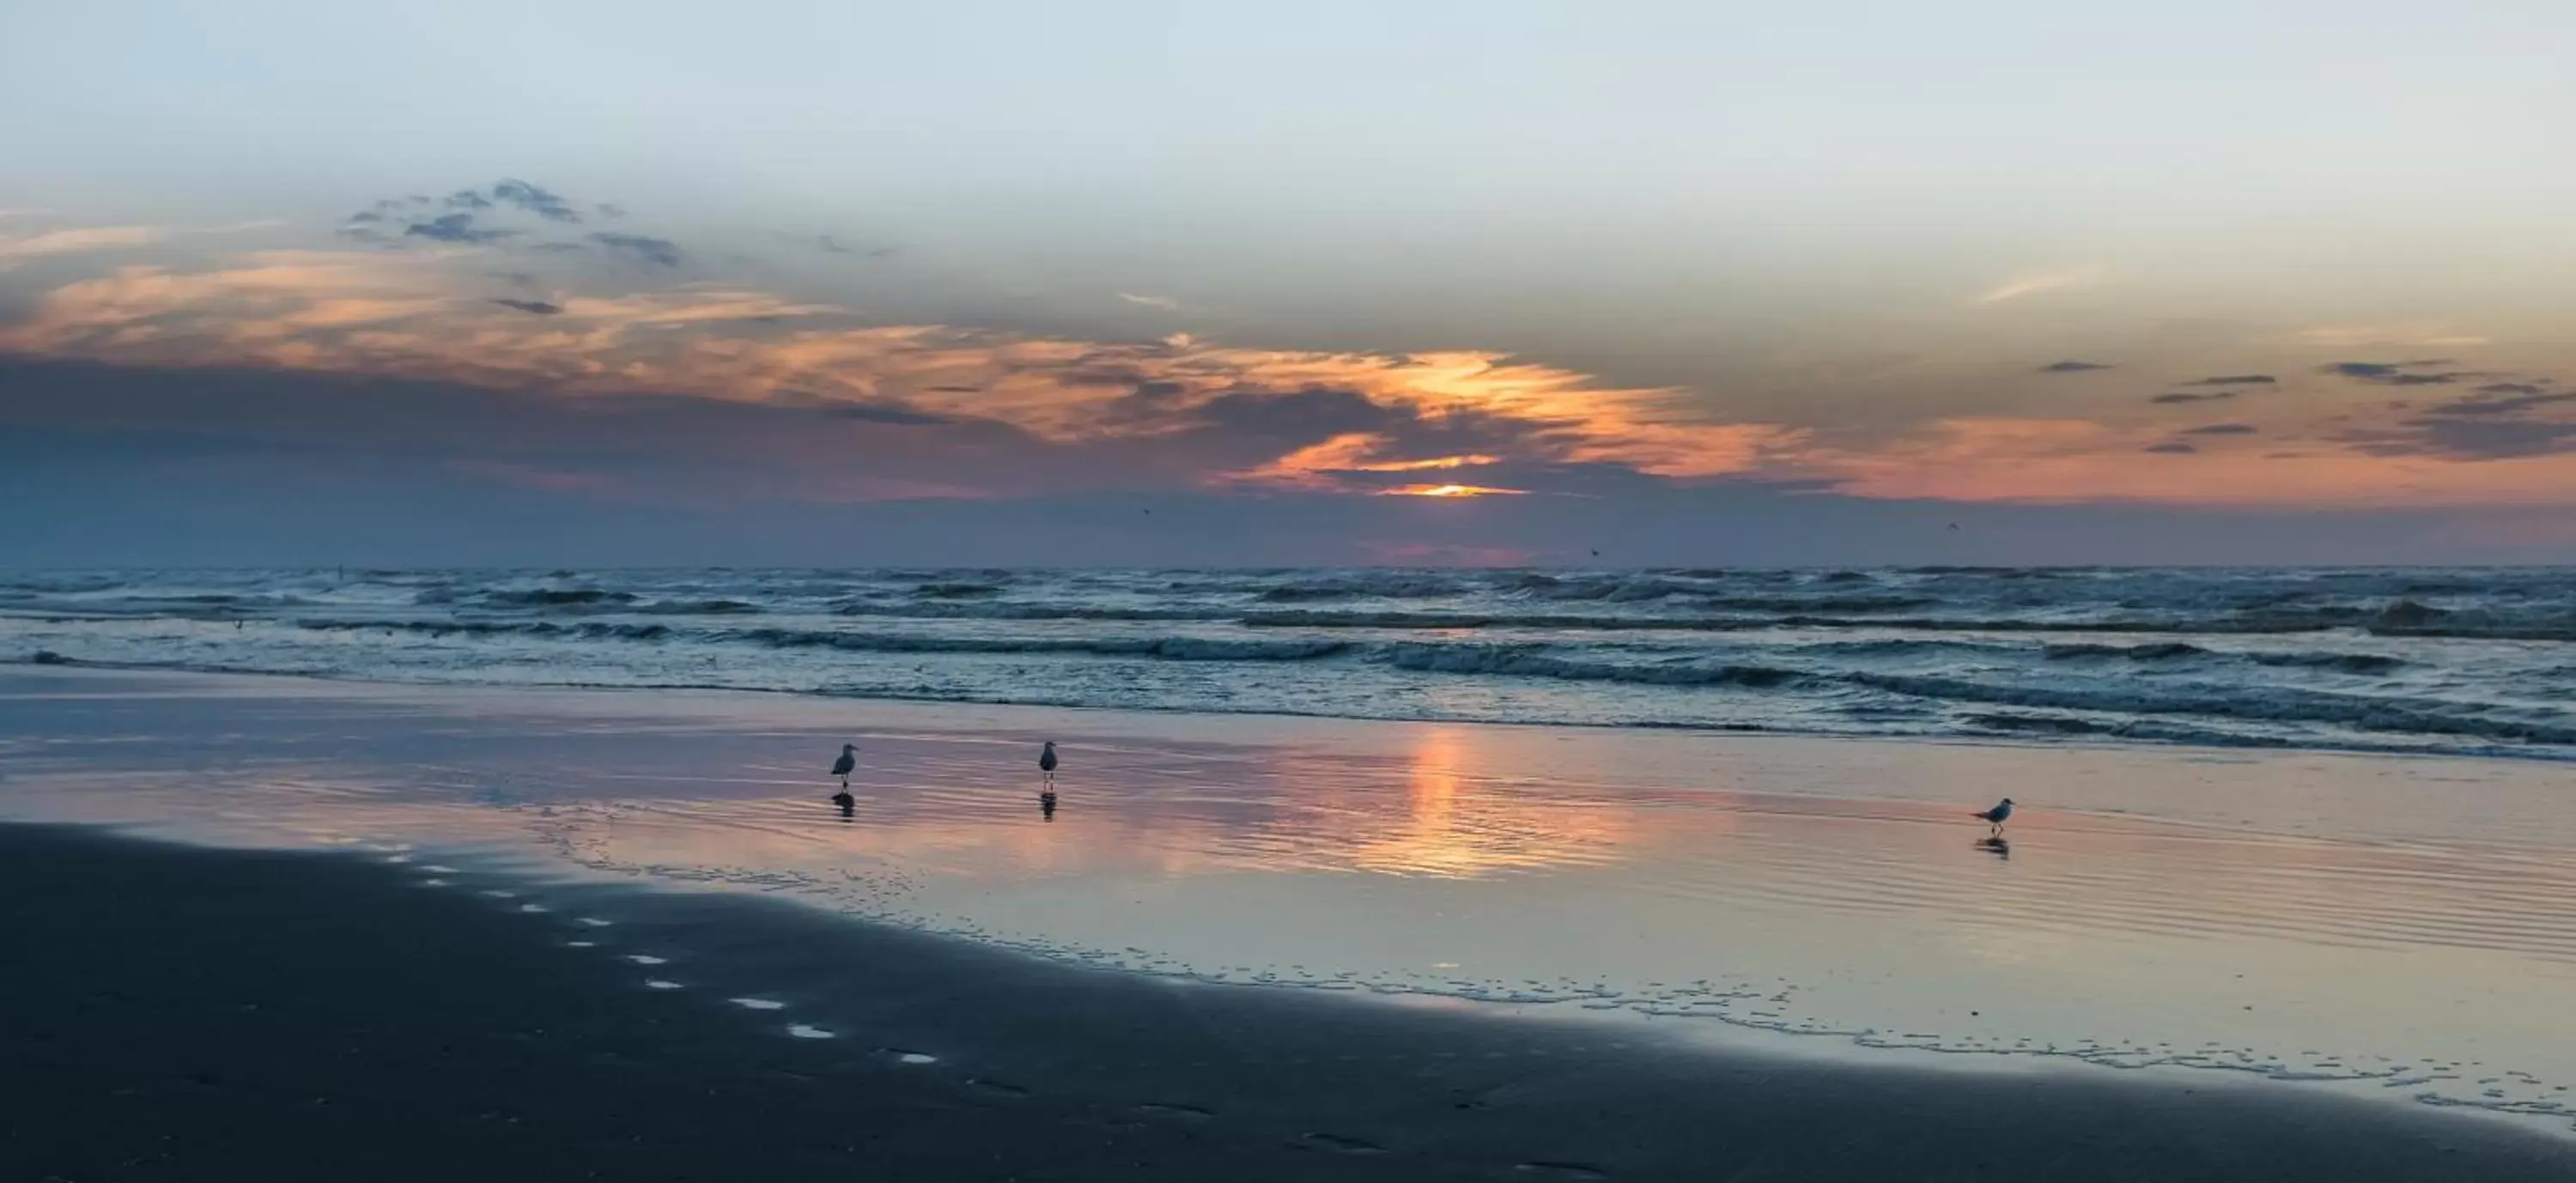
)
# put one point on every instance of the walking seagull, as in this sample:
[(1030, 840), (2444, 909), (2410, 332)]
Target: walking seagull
[(1994, 818), (842, 767)]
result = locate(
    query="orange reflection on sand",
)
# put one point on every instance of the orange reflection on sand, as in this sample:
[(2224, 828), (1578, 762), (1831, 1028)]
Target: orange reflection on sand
[(1449, 828)]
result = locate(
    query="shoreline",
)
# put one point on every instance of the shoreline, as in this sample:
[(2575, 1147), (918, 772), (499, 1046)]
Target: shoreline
[(197, 1011), (2069, 742)]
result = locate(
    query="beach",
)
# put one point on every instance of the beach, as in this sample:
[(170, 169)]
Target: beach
[(189, 1014), (624, 933)]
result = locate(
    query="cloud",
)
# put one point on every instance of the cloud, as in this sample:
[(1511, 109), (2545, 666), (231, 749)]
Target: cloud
[(454, 228), (2221, 429), (2042, 283), (609, 209), (535, 200), (1030, 411), (14, 251), (2501, 421), (2510, 398), (2073, 367), (2233, 380), (2397, 373), (2170, 448), (419, 316), (468, 216), (1166, 303), (2395, 336), (660, 252), (2469, 438)]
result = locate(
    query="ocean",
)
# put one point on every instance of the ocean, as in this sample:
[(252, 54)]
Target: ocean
[(2453, 661)]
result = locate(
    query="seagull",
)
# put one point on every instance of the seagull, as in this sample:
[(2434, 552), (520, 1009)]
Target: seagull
[(848, 761), (1995, 817), (1047, 762)]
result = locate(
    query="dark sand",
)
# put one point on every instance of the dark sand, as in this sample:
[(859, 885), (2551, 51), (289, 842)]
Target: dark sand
[(184, 1014)]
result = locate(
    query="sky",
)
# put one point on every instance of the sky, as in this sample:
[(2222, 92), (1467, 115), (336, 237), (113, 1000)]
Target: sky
[(1332, 283)]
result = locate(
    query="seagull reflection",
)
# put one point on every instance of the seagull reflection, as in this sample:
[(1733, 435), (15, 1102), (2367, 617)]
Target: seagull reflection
[(1995, 846), (1046, 804), (848, 803)]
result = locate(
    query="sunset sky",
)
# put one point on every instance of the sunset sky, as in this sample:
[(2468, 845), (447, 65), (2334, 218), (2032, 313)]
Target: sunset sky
[(1499, 282)]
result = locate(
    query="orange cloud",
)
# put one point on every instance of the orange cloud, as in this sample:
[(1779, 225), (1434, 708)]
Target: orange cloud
[(430, 314), (2065, 461), (412, 316), (74, 241)]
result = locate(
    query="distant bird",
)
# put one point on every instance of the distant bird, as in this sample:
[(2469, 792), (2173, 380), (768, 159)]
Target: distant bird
[(842, 767), (1954, 525), (1995, 817), (1047, 762)]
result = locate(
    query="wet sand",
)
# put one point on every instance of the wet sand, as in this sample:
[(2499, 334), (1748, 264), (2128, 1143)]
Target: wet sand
[(181, 1013)]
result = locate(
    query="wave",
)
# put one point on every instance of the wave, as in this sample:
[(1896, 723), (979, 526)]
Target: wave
[(556, 597), (2411, 618), (1534, 661), (1169, 648), (1377, 587), (586, 630), (2158, 651), (2260, 703), (957, 591), (1028, 611), (717, 607)]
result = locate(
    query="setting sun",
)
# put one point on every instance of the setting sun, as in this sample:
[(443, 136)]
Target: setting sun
[(1449, 491)]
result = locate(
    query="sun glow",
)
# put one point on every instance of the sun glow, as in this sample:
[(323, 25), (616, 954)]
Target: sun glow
[(1449, 491)]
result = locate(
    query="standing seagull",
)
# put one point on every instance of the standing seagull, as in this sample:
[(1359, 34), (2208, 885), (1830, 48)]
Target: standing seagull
[(1047, 762), (1994, 818), (842, 767)]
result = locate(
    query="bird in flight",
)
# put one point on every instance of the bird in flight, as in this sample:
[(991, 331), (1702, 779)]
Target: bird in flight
[(1995, 817)]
